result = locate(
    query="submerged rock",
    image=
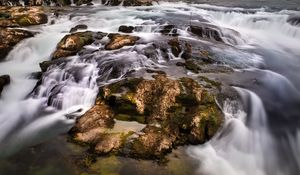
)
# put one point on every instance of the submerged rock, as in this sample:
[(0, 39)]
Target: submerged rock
[(72, 43), (4, 80), (118, 41), (9, 38), (159, 115)]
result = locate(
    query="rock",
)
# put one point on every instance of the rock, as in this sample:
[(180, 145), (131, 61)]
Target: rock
[(8, 23), (175, 46), (128, 2), (45, 64), (108, 143), (9, 2), (81, 2), (32, 19), (294, 20), (4, 80), (21, 16), (72, 43), (78, 27), (178, 47), (118, 41), (126, 29), (206, 32), (9, 38), (170, 112), (168, 30), (192, 66)]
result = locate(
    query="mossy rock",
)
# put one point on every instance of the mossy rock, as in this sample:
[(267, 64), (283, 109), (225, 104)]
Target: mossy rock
[(173, 113)]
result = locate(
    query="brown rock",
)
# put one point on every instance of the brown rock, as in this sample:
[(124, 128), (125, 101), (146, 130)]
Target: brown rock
[(72, 43), (118, 41), (206, 32), (9, 38), (174, 112)]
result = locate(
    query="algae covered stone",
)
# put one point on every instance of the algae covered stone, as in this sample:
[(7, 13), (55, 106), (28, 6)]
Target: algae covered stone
[(147, 118)]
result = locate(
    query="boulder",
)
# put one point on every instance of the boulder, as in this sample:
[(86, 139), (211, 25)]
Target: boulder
[(9, 38), (72, 43), (78, 27), (126, 29), (21, 16), (118, 41), (159, 114), (128, 2), (4, 80), (206, 32)]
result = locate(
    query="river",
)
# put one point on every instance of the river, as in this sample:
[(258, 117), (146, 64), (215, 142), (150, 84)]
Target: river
[(260, 135)]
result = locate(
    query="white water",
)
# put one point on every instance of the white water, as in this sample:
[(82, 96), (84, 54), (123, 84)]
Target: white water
[(244, 146)]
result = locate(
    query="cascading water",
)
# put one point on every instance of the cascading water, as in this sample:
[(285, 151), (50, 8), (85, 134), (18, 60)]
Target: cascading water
[(244, 145), (255, 39)]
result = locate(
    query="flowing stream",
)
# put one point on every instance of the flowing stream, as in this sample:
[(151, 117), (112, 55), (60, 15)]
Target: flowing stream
[(261, 133)]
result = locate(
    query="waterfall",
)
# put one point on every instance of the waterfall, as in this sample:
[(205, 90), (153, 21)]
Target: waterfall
[(244, 145)]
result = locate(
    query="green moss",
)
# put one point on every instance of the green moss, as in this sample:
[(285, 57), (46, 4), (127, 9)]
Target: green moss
[(126, 117), (24, 21), (4, 15), (107, 166), (192, 66), (211, 82), (187, 99)]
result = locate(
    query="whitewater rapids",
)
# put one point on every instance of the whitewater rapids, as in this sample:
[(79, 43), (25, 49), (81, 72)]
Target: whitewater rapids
[(261, 133)]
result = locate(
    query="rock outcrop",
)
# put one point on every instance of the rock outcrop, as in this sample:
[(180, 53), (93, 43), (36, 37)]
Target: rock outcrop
[(164, 113)]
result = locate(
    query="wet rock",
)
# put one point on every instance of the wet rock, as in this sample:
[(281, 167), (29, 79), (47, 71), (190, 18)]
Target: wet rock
[(32, 19), (9, 2), (4, 15), (118, 41), (126, 29), (294, 20), (46, 64), (4, 80), (8, 23), (179, 48), (21, 16), (72, 43), (206, 32), (175, 46), (81, 2), (170, 112), (9, 38), (128, 2), (168, 30), (78, 27)]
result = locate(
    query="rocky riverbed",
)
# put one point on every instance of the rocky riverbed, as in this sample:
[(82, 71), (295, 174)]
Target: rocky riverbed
[(119, 87)]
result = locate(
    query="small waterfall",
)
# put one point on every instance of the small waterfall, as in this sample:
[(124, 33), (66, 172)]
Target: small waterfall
[(244, 145)]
